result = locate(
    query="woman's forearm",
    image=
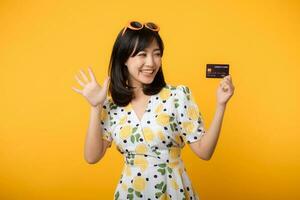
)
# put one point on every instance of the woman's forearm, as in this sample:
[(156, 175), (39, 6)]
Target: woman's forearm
[(209, 142), (93, 142)]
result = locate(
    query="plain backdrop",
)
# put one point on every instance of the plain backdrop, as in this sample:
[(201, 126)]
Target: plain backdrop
[(43, 122)]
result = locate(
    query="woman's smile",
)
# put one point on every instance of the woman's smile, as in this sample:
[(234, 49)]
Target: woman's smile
[(147, 72)]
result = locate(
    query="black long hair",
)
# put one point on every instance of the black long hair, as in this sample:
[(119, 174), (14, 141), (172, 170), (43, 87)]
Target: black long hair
[(120, 91)]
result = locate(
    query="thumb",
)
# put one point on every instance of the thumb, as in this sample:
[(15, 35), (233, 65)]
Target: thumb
[(106, 83)]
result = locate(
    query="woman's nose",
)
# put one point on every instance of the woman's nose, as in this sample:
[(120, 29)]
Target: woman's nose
[(149, 60)]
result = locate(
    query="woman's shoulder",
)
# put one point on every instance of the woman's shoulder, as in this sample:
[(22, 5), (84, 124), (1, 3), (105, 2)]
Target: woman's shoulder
[(175, 92), (177, 88), (109, 103)]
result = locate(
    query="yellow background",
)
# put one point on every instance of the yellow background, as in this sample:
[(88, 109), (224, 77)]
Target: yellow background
[(43, 122)]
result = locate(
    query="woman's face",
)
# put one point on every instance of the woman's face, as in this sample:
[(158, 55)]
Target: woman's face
[(144, 65)]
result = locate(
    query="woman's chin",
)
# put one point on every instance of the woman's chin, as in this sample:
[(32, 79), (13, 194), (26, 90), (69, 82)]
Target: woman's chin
[(147, 80)]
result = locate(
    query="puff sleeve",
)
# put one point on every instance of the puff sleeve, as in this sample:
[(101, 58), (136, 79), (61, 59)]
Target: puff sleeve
[(189, 118), (105, 121)]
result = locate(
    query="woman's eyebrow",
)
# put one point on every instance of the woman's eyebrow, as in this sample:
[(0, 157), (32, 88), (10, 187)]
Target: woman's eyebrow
[(153, 49), (157, 49)]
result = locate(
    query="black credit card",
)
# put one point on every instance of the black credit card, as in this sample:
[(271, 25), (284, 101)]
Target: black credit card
[(217, 70)]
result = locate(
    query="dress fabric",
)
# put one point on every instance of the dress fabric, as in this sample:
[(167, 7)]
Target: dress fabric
[(153, 168)]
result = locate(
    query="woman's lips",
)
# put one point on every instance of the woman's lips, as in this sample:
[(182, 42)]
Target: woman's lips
[(147, 72)]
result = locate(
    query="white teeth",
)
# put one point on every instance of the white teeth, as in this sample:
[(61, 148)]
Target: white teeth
[(148, 71)]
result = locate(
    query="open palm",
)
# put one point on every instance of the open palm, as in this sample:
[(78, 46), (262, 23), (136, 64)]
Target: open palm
[(92, 91)]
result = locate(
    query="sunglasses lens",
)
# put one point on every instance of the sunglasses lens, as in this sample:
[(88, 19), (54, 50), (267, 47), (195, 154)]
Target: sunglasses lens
[(136, 24), (152, 26)]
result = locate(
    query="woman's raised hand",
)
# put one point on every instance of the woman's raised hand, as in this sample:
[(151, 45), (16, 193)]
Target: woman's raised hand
[(225, 90), (92, 91)]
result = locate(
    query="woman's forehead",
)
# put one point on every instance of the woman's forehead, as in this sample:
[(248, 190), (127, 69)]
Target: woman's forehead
[(152, 46)]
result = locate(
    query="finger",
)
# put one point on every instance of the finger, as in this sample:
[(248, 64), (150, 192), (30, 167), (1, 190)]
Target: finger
[(229, 82), (226, 84), (230, 79), (222, 81), (84, 76), (226, 78), (221, 85), (79, 81), (106, 83), (92, 74), (77, 90), (228, 87), (224, 88)]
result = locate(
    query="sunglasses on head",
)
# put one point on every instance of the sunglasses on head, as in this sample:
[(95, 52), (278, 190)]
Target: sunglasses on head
[(134, 25)]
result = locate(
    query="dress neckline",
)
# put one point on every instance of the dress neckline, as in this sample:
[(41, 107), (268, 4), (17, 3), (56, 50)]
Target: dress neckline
[(147, 107), (145, 111)]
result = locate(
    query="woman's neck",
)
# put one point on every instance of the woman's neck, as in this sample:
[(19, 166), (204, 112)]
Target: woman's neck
[(137, 90), (138, 93)]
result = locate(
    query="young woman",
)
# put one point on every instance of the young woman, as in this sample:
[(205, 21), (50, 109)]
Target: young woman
[(148, 120)]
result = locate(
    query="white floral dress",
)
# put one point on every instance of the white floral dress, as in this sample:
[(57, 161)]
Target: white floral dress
[(153, 168)]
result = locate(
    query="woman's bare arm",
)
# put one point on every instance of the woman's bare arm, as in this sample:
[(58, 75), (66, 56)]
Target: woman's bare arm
[(95, 146), (205, 147)]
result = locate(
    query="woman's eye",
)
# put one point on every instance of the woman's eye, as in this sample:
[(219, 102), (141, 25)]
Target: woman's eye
[(142, 54), (158, 54)]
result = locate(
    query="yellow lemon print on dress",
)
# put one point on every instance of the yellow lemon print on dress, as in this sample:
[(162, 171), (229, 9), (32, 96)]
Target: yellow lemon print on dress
[(103, 115), (163, 119), (161, 135), (141, 148), (124, 186), (164, 196), (168, 197), (148, 134), (192, 113), (164, 94), (174, 184), (127, 108), (139, 183), (177, 139), (125, 132), (175, 152), (186, 193), (188, 127), (141, 162), (159, 108), (123, 120), (173, 164), (105, 137)]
